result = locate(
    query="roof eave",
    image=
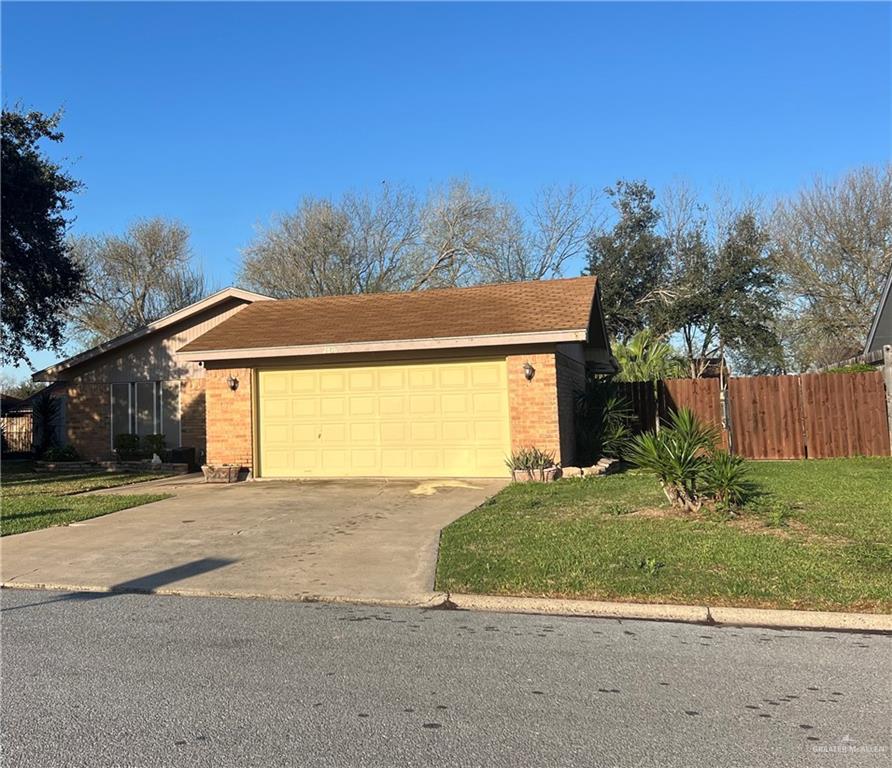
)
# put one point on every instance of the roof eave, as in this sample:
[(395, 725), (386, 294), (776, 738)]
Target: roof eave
[(402, 345), (50, 372)]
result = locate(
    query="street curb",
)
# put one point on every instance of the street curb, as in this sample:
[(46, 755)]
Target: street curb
[(694, 614), (427, 600), (688, 614)]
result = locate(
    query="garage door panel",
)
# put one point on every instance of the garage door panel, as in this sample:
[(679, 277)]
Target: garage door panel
[(431, 419), (275, 384), (424, 432), (299, 383), (300, 407), (362, 405), (393, 432)]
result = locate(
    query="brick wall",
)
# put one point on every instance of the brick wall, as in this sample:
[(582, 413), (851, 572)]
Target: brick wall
[(533, 405), (88, 420), (230, 437), (193, 412), (570, 381)]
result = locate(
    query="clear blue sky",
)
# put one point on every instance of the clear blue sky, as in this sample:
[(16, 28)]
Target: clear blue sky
[(223, 114)]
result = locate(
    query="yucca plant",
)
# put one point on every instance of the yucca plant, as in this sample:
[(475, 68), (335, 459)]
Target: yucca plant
[(726, 480), (677, 455), (530, 458)]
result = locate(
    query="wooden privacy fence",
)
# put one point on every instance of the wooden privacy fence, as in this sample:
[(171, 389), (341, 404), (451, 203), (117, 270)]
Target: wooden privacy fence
[(815, 415), (18, 432)]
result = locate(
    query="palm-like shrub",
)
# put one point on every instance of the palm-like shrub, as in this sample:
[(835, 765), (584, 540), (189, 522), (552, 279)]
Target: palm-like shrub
[(690, 469), (726, 480), (604, 421), (677, 455), (646, 357)]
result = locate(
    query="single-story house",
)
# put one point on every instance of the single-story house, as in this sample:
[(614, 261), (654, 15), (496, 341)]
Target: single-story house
[(880, 333), (435, 383)]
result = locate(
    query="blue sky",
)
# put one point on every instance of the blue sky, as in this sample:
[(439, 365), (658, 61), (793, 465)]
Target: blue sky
[(222, 114)]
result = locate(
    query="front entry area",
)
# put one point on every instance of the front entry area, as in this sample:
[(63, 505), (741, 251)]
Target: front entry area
[(441, 419)]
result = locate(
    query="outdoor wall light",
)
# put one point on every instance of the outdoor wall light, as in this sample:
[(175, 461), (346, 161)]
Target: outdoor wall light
[(528, 371), (233, 383)]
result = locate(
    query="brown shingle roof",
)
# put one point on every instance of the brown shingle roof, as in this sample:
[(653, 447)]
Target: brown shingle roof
[(485, 310)]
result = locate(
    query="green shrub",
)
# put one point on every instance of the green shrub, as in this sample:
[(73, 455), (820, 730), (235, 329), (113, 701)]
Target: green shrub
[(677, 455), (127, 447), (530, 458), (61, 453), (852, 368), (726, 480), (691, 470), (604, 421), (152, 444)]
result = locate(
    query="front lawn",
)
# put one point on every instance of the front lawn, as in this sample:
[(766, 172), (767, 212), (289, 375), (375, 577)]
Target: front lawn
[(31, 500), (819, 537)]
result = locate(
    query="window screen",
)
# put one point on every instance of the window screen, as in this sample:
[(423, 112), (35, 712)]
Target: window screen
[(145, 408), (169, 399), (120, 410)]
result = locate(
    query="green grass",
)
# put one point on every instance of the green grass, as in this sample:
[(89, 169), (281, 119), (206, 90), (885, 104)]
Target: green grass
[(818, 537), (31, 500)]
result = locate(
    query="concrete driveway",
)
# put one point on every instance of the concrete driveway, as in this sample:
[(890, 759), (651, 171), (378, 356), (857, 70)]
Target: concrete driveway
[(336, 539)]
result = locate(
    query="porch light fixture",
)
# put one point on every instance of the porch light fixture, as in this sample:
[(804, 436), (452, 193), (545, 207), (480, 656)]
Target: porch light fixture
[(233, 383), (528, 371)]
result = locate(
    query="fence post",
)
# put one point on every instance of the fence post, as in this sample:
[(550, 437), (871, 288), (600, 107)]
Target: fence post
[(887, 380)]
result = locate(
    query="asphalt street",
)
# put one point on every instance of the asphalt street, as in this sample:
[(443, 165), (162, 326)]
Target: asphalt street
[(137, 680)]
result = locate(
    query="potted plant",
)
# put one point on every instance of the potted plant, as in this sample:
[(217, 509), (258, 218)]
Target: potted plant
[(533, 464)]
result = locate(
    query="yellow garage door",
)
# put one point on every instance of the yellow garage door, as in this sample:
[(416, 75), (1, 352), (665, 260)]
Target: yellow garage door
[(419, 420)]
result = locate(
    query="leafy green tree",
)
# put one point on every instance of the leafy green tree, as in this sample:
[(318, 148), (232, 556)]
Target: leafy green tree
[(39, 279), (631, 260), (724, 297)]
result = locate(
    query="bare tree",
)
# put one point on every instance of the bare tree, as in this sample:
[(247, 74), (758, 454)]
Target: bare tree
[(395, 240), (833, 244), (134, 278), (556, 229)]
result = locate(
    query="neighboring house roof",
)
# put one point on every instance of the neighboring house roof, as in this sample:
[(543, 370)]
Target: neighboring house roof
[(881, 329), (10, 403), (174, 317), (484, 315)]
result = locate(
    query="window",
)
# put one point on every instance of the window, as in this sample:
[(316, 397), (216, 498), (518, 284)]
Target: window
[(146, 408)]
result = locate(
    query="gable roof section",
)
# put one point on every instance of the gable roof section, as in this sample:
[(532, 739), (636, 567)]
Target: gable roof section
[(882, 321), (485, 315), (164, 322)]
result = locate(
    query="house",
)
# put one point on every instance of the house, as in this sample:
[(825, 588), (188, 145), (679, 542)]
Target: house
[(433, 383), (135, 384), (880, 333)]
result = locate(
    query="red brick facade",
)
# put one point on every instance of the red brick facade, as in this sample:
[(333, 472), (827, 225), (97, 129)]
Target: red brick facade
[(533, 405), (88, 419), (193, 417), (230, 423)]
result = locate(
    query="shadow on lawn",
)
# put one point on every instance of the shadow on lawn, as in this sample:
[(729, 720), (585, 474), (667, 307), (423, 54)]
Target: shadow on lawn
[(144, 585)]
